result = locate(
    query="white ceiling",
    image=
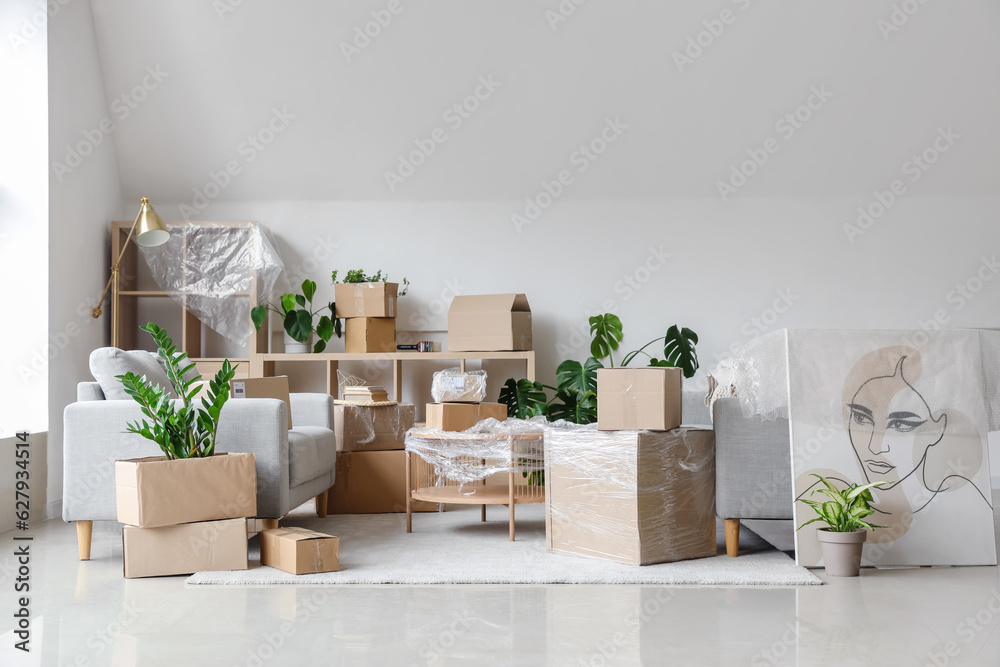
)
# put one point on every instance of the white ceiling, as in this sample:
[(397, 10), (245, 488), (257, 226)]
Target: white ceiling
[(228, 72)]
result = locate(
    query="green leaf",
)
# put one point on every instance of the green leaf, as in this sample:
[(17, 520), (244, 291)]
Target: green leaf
[(574, 408), (574, 377), (319, 346), (301, 300), (606, 330), (324, 329), (298, 324), (288, 303), (308, 289), (524, 399), (679, 349)]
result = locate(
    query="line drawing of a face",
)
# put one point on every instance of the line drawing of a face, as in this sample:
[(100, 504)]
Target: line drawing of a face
[(892, 428)]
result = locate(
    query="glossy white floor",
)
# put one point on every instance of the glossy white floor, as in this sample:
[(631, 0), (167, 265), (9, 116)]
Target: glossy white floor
[(87, 614)]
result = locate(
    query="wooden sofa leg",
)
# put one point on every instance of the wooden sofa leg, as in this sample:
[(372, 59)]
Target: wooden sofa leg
[(321, 504), (84, 532), (733, 537), (268, 524)]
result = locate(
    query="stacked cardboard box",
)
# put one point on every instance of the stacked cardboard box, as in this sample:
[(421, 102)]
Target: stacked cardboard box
[(371, 463), (458, 401), (370, 311), (187, 515), (635, 399)]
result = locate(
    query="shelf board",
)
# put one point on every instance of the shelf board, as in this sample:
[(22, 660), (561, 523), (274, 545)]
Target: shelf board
[(156, 293), (394, 356), (489, 494)]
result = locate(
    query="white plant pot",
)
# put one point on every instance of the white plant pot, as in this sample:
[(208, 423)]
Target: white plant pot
[(293, 346)]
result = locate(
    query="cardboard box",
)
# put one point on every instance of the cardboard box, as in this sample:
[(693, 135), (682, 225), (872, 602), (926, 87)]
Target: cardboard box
[(155, 492), (362, 428), (370, 334), (299, 550), (462, 416), (489, 323), (372, 483), (365, 299), (187, 548), (638, 399), (276, 387), (633, 497)]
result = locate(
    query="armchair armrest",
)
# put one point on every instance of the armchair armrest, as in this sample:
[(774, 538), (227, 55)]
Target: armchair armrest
[(312, 410), (89, 391), (260, 426)]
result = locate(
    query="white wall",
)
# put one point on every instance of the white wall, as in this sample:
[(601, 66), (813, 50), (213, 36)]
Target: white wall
[(23, 214), (84, 195)]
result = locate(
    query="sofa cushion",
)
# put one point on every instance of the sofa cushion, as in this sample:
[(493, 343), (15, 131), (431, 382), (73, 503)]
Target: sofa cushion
[(312, 451), (108, 362)]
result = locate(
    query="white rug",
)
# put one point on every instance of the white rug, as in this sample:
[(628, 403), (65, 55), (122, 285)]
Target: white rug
[(454, 547)]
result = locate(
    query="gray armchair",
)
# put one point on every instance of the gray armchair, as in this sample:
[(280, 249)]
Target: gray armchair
[(292, 465), (753, 469)]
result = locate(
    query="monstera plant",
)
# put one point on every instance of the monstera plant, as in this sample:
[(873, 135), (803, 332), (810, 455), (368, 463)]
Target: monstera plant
[(299, 318), (575, 393)]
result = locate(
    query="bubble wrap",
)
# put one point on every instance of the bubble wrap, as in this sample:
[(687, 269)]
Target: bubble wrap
[(454, 385)]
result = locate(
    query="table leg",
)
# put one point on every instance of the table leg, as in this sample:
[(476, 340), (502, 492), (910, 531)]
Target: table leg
[(409, 497), (510, 497)]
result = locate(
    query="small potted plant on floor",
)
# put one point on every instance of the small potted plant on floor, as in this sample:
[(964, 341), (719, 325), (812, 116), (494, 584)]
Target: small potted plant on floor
[(843, 539), (298, 319)]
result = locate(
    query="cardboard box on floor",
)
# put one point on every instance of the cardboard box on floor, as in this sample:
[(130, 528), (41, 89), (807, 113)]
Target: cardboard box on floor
[(362, 428), (365, 299), (153, 491), (462, 416), (636, 399), (371, 483), (489, 323), (370, 334), (274, 387), (187, 548), (633, 497), (299, 550)]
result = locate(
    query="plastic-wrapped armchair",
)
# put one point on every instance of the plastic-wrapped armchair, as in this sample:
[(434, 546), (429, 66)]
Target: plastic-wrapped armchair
[(292, 465)]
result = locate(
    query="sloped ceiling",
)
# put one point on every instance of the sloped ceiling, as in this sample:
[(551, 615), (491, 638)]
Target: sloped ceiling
[(229, 64)]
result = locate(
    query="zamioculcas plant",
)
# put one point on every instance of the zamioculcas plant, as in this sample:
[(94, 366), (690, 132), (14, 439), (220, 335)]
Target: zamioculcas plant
[(187, 431)]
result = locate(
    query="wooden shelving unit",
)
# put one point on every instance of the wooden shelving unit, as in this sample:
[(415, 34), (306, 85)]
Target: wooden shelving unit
[(191, 340)]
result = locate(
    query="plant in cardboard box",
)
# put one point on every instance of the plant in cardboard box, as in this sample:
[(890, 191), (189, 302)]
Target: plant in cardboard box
[(575, 398), (842, 541), (359, 276), (298, 319), (187, 431)]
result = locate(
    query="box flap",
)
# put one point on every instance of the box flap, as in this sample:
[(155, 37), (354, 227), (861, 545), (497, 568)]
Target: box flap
[(479, 303)]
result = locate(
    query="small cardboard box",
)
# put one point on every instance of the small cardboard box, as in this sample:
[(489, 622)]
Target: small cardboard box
[(366, 428), (372, 483), (155, 492), (630, 399), (461, 416), (489, 323), (637, 497), (276, 387), (299, 550), (365, 299), (187, 548), (370, 334)]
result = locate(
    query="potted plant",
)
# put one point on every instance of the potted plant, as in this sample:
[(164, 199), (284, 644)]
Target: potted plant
[(298, 319), (843, 538), (366, 295)]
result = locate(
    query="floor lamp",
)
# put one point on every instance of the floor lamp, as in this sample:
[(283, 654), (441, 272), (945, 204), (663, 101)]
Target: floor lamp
[(149, 231)]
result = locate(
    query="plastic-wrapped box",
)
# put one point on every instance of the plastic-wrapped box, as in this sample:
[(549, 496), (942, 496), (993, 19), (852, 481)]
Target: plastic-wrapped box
[(454, 385), (371, 428), (637, 497)]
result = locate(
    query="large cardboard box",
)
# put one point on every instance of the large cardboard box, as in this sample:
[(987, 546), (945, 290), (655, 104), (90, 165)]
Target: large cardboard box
[(462, 416), (365, 299), (370, 334), (371, 483), (634, 497), (489, 323), (276, 387), (638, 398), (187, 548), (363, 428), (155, 492), (299, 550)]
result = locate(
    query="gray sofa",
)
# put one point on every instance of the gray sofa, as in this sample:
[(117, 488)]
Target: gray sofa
[(753, 470), (292, 465)]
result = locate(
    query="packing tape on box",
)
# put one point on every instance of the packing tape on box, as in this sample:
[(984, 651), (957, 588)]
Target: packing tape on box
[(488, 448), (453, 385), (596, 480)]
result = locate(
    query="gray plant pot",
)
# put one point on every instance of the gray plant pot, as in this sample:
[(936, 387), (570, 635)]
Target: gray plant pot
[(841, 551)]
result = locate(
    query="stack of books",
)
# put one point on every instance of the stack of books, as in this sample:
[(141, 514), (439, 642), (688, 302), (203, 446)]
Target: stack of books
[(365, 393)]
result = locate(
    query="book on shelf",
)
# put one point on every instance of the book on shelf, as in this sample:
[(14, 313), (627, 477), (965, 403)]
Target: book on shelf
[(366, 393)]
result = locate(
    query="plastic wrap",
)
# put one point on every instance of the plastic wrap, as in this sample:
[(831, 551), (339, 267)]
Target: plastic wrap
[(453, 385), (490, 447), (636, 497), (361, 428), (760, 376), (210, 268)]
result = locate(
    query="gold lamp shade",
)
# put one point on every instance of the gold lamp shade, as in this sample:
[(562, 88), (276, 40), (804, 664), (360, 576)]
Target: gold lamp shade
[(150, 230)]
